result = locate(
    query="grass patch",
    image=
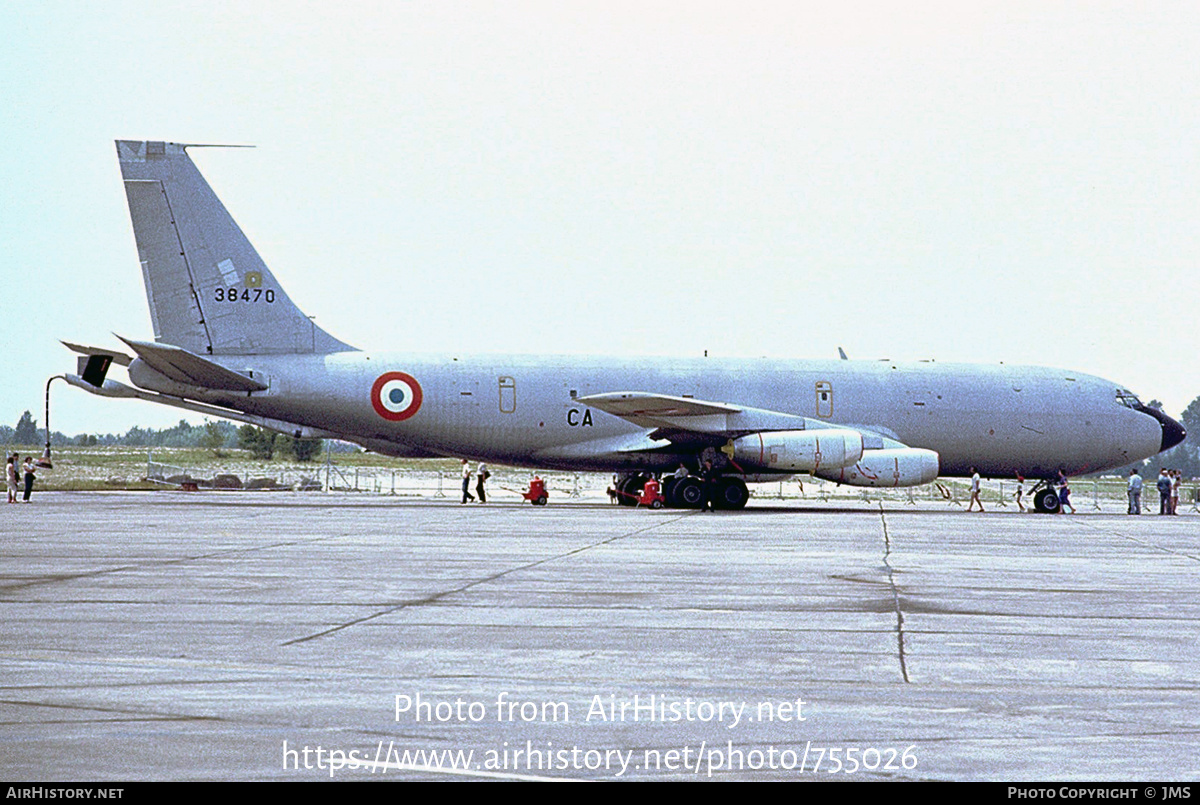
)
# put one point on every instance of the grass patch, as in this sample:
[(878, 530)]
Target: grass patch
[(127, 468)]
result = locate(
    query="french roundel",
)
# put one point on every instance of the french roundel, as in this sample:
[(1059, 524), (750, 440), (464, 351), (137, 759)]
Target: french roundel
[(396, 396)]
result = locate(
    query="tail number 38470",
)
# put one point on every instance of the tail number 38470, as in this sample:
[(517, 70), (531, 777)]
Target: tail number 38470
[(250, 295)]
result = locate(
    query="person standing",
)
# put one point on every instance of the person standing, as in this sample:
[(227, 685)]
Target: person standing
[(614, 494), (1176, 481), (975, 487), (10, 477), (481, 475), (29, 471), (1164, 491), (708, 477), (466, 478), (1020, 492), (1135, 492)]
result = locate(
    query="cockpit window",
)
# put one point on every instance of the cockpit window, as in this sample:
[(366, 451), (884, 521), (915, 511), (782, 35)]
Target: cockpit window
[(1128, 399)]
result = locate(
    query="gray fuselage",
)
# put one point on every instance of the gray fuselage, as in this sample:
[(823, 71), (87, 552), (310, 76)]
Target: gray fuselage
[(522, 410)]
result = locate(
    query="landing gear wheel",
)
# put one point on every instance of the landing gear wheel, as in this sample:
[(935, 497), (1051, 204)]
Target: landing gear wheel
[(689, 493), (1046, 500), (630, 488), (732, 494)]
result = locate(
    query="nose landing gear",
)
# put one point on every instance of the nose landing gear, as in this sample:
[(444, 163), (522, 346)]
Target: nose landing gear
[(1045, 498)]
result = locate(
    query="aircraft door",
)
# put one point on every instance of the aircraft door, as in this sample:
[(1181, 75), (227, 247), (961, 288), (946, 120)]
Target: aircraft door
[(824, 399), (508, 394)]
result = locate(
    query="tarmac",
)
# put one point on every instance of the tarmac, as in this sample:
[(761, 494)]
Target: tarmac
[(282, 636)]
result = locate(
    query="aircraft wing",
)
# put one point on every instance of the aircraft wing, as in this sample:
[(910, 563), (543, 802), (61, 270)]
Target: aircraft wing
[(686, 415), (663, 410), (772, 440)]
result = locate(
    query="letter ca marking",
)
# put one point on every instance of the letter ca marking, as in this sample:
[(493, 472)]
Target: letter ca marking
[(574, 420)]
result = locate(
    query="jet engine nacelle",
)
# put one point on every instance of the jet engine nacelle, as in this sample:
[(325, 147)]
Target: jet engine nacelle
[(901, 466), (799, 450)]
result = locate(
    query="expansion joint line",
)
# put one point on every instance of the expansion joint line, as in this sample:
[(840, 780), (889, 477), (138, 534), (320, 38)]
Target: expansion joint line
[(887, 550), (464, 587), (1148, 544), (21, 584)]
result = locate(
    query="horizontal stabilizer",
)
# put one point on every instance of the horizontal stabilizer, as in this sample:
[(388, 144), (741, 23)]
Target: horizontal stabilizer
[(117, 356), (185, 367)]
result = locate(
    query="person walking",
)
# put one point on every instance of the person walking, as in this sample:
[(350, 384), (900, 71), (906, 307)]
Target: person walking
[(1064, 494), (975, 487), (466, 478), (481, 475)]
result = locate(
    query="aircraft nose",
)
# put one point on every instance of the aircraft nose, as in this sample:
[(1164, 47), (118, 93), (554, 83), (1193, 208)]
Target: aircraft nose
[(1172, 432)]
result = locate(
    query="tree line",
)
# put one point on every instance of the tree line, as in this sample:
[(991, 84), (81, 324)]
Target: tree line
[(217, 436)]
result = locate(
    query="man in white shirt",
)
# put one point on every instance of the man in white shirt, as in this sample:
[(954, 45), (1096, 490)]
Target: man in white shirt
[(1135, 492), (975, 484), (481, 475), (466, 475)]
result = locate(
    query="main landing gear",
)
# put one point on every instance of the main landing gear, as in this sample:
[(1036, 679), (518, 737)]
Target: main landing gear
[(685, 493)]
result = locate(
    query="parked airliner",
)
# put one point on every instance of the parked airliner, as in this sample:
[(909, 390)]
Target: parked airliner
[(228, 342)]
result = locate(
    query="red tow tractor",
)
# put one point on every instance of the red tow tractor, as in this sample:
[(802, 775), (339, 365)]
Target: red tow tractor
[(537, 494)]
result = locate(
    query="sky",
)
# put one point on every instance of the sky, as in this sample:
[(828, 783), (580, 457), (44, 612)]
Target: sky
[(978, 182)]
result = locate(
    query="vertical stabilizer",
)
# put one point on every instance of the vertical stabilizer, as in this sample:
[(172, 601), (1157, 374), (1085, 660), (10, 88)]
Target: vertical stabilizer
[(209, 291)]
